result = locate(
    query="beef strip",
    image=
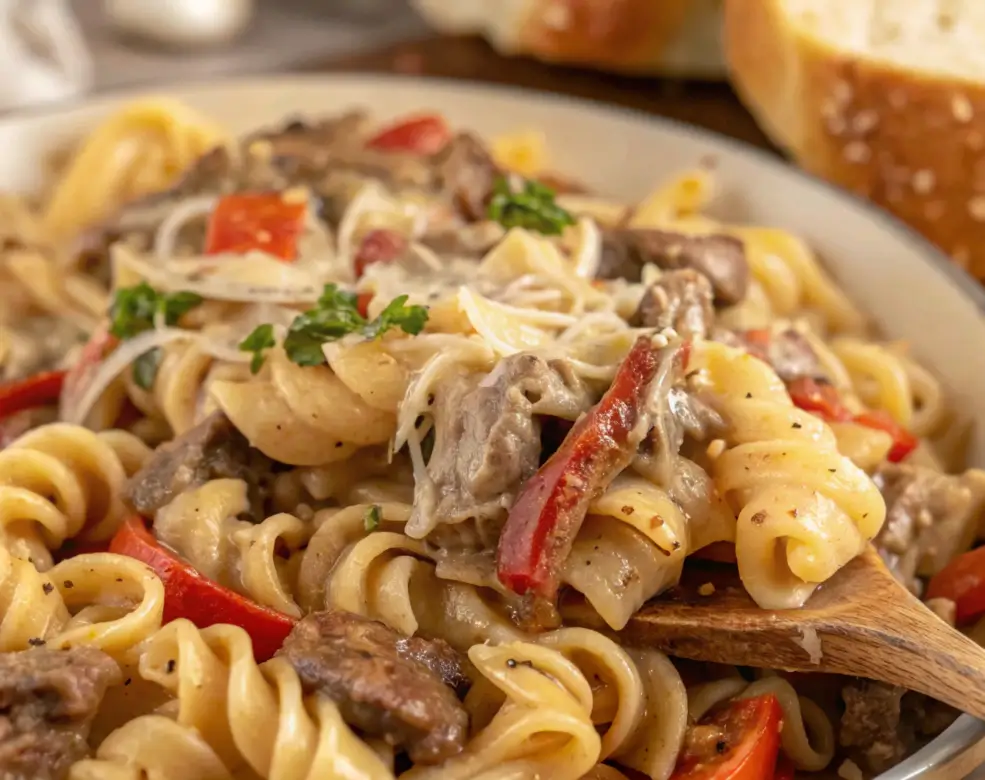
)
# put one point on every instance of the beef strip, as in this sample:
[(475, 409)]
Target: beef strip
[(681, 300), (721, 258), (213, 449), (48, 699), (487, 435), (466, 172), (786, 349), (930, 518), (395, 687)]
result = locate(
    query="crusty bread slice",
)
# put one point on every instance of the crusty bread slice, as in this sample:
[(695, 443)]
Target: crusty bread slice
[(885, 97)]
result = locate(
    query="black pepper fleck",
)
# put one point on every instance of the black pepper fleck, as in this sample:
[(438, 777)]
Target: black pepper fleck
[(47, 588), (128, 681), (36, 641), (721, 746), (68, 584), (171, 665), (511, 663)]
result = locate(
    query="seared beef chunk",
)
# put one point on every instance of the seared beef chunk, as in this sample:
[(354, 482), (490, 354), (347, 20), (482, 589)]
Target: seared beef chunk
[(681, 300), (466, 172), (721, 258), (872, 723), (213, 449), (395, 687), (788, 351), (930, 517), (487, 438), (48, 699)]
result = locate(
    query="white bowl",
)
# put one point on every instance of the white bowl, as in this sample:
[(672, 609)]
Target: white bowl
[(910, 289)]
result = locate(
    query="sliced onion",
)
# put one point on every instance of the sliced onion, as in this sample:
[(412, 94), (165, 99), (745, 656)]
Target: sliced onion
[(215, 289), (75, 410), (166, 237), (588, 254)]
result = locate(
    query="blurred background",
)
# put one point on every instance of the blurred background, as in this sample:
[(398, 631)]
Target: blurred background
[(673, 59)]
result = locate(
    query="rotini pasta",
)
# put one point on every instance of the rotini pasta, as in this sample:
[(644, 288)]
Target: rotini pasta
[(61, 481), (231, 715), (796, 494), (109, 601)]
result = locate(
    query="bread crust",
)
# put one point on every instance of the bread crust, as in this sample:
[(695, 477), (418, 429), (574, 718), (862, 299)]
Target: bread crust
[(911, 142)]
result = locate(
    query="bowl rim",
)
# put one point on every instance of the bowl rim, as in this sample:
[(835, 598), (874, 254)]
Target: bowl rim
[(966, 731)]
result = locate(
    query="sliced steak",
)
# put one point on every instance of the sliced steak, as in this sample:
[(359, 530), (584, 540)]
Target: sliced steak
[(465, 172), (930, 518), (681, 300), (48, 699), (721, 258), (487, 436), (387, 685), (213, 449), (786, 349)]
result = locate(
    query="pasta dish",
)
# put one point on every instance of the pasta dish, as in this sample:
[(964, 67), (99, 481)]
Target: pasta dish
[(317, 444)]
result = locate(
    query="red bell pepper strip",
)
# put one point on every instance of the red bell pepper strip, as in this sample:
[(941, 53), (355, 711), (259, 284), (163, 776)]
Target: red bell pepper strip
[(362, 303), (904, 442), (739, 741), (187, 594), (963, 582), (39, 390), (270, 222), (823, 400), (425, 134), (552, 504), (378, 246), (820, 398)]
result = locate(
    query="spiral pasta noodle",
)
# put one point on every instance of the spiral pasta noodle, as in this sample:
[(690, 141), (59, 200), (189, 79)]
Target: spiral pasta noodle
[(109, 601), (255, 559), (542, 728), (387, 576), (301, 415), (794, 492), (232, 716), (61, 481)]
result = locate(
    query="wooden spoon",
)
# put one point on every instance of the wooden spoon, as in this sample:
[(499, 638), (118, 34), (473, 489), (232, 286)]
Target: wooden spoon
[(862, 622)]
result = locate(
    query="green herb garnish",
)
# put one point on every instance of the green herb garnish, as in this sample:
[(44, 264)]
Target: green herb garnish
[(262, 338), (532, 207), (135, 310), (336, 315), (372, 518)]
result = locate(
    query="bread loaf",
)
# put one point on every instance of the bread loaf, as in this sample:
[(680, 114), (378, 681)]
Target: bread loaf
[(680, 37), (885, 97)]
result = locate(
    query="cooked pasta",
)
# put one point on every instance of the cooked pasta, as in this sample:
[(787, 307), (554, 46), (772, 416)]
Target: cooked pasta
[(804, 509), (61, 481), (373, 423), (231, 715), (109, 601)]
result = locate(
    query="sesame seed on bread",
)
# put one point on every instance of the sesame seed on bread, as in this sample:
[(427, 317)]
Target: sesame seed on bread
[(884, 97)]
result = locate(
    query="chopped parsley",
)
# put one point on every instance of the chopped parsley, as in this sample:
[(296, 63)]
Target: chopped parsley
[(531, 207), (262, 338), (372, 518), (335, 315), (137, 309)]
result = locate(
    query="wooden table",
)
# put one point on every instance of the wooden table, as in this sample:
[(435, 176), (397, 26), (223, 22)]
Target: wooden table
[(709, 105)]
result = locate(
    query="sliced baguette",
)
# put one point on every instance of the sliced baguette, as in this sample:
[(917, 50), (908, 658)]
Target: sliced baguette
[(884, 97)]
